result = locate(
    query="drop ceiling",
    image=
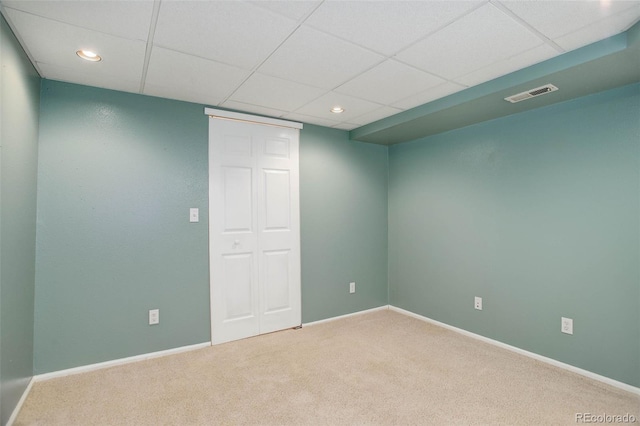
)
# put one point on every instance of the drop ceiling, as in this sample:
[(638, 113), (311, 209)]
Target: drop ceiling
[(295, 60)]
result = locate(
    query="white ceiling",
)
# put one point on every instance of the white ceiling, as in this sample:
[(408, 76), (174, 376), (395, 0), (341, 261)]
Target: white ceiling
[(297, 59)]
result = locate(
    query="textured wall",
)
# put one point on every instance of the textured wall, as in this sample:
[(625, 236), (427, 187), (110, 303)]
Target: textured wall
[(343, 205), (118, 174), (19, 97), (538, 214)]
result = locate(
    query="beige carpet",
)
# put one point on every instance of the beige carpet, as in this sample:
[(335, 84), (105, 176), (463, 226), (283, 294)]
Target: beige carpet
[(378, 368)]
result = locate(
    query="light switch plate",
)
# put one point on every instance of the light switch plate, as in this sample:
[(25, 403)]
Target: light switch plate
[(194, 215)]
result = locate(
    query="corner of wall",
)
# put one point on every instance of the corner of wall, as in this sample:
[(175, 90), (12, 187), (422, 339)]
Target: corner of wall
[(19, 121)]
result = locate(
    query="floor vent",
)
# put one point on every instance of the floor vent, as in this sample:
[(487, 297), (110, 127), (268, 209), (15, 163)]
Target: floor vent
[(538, 91)]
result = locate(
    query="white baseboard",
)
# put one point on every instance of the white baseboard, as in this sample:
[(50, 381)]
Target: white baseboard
[(120, 361), (366, 311), (556, 363), (16, 410)]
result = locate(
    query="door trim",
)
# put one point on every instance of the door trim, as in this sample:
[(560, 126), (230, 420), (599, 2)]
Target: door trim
[(231, 115)]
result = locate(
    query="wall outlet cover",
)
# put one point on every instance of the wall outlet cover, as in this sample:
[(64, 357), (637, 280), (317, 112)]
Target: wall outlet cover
[(154, 316), (477, 303), (352, 287), (566, 325)]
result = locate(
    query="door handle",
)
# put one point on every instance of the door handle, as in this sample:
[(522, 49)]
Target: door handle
[(236, 243)]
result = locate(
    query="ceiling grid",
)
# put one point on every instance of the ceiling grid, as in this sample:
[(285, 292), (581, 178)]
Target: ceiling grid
[(297, 59)]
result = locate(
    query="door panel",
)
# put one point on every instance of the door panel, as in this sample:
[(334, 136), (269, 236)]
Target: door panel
[(239, 292), (276, 280), (277, 203), (238, 145), (277, 147), (238, 199)]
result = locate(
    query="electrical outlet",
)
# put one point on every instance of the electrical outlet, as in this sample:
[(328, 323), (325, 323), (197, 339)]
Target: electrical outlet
[(566, 325), (477, 303), (154, 316), (352, 287)]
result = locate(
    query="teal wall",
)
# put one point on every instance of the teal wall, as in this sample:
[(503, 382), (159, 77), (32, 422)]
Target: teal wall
[(19, 98), (118, 173), (343, 205), (538, 214)]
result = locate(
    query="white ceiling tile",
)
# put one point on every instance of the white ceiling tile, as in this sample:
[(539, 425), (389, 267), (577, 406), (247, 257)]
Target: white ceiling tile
[(389, 82), (56, 43), (480, 38), (254, 109), (232, 32), (345, 126), (506, 66), (353, 107), (180, 94), (317, 59), (294, 9), (386, 26), (78, 76), (557, 18), (602, 29), (127, 19), (177, 71), (429, 95), (311, 120), (271, 92), (375, 115)]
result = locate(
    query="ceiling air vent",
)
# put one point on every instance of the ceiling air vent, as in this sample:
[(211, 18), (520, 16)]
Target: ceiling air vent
[(538, 91)]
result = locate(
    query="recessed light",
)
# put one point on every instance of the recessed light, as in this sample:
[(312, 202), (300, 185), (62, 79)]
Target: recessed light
[(337, 109), (89, 55)]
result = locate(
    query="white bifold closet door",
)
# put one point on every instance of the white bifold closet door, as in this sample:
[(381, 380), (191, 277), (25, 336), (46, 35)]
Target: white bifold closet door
[(254, 228)]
